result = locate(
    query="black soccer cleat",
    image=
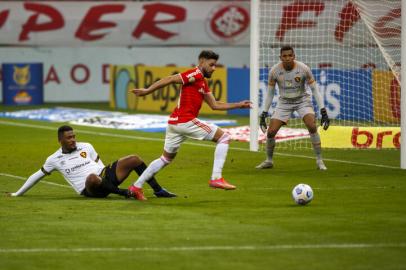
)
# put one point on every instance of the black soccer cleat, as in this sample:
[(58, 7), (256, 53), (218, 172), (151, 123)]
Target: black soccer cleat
[(163, 193)]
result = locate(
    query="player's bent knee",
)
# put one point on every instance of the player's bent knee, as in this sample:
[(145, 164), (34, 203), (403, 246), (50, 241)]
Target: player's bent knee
[(92, 179), (135, 159)]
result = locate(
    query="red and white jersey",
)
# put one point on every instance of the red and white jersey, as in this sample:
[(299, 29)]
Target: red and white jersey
[(191, 96), (75, 166)]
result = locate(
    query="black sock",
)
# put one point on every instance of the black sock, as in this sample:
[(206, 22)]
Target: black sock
[(122, 192), (113, 189), (152, 182)]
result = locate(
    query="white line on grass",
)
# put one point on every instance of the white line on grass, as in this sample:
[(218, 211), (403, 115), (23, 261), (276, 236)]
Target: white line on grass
[(193, 143), (25, 178), (205, 248), (324, 188), (262, 188)]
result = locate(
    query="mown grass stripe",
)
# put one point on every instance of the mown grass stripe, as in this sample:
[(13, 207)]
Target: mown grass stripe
[(206, 248)]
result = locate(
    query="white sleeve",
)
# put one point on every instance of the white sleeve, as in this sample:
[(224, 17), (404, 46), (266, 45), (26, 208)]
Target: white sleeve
[(270, 90), (31, 181), (316, 94), (313, 86), (92, 152), (94, 155), (269, 97), (100, 162)]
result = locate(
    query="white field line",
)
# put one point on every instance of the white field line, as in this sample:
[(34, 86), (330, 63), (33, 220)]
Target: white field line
[(205, 248), (262, 188), (192, 143), (25, 178), (324, 188)]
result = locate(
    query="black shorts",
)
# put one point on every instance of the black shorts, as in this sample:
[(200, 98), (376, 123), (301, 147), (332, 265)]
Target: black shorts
[(108, 175)]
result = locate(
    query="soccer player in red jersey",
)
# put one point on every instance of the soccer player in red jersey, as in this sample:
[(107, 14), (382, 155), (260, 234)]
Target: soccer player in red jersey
[(183, 122)]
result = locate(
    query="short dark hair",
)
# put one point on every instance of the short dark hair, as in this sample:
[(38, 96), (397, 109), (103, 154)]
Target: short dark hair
[(208, 54), (63, 129), (287, 48)]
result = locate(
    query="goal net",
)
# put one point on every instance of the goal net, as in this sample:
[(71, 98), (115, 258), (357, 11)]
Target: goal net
[(353, 48)]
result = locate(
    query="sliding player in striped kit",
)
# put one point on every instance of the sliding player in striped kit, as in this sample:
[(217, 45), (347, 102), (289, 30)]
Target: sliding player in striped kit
[(291, 75), (183, 122)]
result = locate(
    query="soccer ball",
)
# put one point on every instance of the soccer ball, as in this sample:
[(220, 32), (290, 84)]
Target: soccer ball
[(302, 194)]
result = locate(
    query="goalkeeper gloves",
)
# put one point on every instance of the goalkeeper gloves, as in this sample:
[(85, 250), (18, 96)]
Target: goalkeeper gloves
[(262, 121), (325, 121)]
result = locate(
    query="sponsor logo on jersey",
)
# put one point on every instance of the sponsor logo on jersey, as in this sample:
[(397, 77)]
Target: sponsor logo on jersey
[(194, 73), (201, 90), (192, 79), (71, 170), (83, 154), (297, 79)]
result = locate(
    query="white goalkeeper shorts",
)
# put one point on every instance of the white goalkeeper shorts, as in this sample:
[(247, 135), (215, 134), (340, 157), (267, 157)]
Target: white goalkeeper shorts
[(195, 129), (285, 108)]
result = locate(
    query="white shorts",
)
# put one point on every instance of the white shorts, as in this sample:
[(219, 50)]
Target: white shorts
[(195, 129), (286, 107)]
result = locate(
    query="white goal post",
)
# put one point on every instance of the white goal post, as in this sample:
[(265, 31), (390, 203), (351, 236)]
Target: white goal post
[(354, 50)]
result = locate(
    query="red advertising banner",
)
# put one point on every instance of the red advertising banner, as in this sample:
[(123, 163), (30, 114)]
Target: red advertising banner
[(95, 23), (124, 23)]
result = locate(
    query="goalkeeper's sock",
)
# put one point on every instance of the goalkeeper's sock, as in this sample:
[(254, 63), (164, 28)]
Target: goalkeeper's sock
[(270, 146), (315, 138), (220, 155), (151, 170), (152, 182)]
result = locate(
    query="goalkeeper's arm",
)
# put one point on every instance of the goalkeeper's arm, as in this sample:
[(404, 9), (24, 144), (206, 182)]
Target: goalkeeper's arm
[(268, 102), (31, 181), (325, 121), (269, 97)]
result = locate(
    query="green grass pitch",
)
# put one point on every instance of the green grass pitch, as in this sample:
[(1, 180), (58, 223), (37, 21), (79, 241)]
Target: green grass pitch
[(357, 219)]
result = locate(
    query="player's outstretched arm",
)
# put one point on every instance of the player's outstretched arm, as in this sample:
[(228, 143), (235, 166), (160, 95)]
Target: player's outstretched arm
[(325, 121), (157, 85), (268, 102), (221, 106), (31, 181)]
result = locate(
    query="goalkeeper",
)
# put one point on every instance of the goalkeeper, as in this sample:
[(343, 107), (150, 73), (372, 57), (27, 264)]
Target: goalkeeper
[(291, 75)]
